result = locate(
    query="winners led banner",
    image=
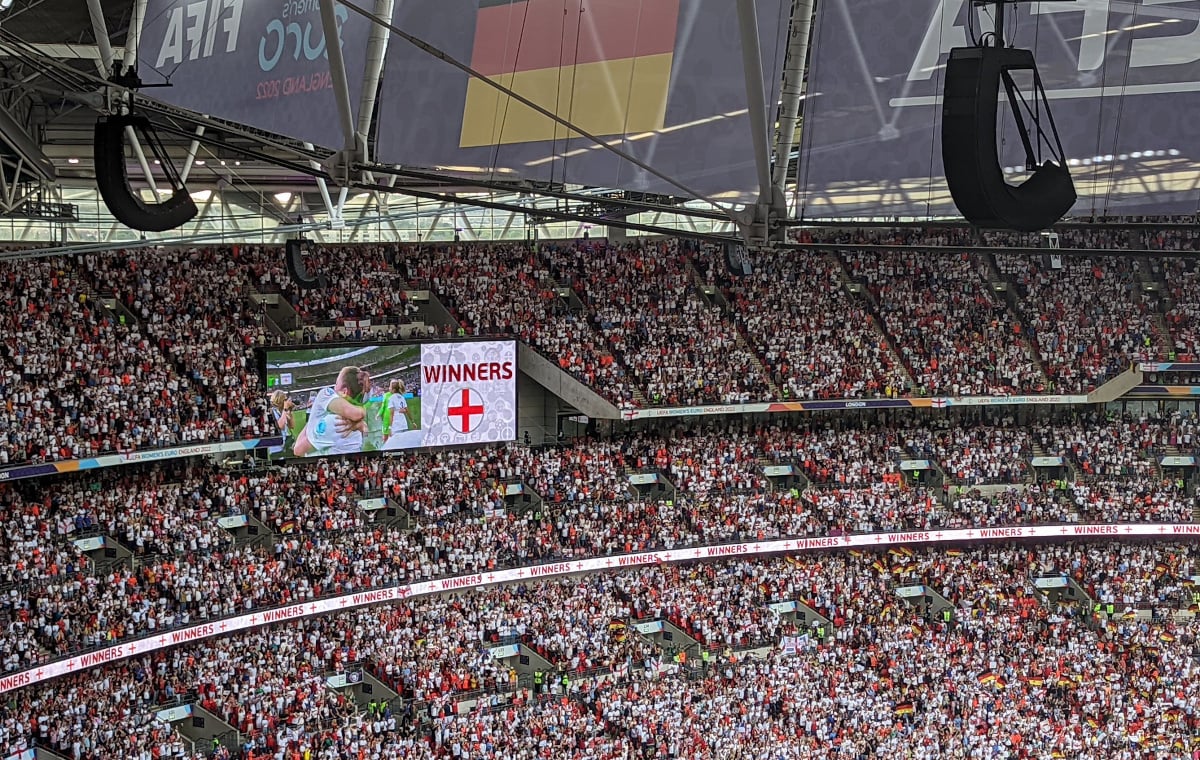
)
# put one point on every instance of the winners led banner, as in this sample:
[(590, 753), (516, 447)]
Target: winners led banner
[(333, 400), (1122, 78), (1167, 532)]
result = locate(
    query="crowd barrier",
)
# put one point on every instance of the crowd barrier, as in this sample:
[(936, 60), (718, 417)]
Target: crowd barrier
[(826, 405), (384, 595), (23, 471)]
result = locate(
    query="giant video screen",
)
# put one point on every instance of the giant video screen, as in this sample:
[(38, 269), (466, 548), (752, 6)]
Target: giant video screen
[(349, 399)]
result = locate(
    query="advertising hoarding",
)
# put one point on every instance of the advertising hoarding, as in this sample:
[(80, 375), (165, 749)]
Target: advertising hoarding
[(662, 80), (262, 64)]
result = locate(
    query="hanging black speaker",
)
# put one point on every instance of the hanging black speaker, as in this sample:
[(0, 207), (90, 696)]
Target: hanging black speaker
[(112, 179), (298, 271), (970, 105)]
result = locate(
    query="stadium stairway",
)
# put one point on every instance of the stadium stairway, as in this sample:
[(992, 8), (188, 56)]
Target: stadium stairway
[(277, 315), (520, 498), (1150, 281), (860, 291), (712, 295), (379, 508), (670, 636), (41, 752), (782, 481), (921, 597), (748, 347), (198, 726), (1057, 589), (360, 687), (565, 290), (1001, 286)]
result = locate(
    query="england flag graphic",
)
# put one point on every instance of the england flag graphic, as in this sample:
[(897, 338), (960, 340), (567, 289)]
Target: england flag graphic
[(468, 392)]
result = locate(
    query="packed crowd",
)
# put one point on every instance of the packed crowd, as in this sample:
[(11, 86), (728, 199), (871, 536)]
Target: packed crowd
[(77, 380), (1091, 317), (1183, 311), (186, 568), (956, 337), (1117, 447), (510, 290), (645, 323), (207, 331), (364, 282), (646, 300), (817, 339), (1003, 673), (981, 454)]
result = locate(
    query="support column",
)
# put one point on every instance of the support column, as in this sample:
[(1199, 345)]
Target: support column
[(323, 188), (337, 72), (134, 37), (190, 161), (792, 94), (100, 29), (755, 100), (377, 45)]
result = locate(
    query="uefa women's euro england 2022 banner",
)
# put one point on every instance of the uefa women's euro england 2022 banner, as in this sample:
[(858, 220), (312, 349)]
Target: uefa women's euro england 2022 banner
[(331, 400), (263, 63)]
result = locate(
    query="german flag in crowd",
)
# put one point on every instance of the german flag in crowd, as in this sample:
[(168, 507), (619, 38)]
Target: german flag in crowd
[(879, 566), (1093, 723), (603, 65), (954, 552), (1167, 636), (905, 708), (1035, 681), (855, 553), (987, 677)]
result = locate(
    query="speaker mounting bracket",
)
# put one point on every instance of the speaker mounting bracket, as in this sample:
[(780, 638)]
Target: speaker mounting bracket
[(112, 178), (970, 155)]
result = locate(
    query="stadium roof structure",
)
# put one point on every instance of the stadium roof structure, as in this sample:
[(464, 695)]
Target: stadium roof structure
[(61, 67)]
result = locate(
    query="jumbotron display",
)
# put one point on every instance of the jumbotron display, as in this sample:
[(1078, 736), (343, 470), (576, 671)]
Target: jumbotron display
[(349, 399)]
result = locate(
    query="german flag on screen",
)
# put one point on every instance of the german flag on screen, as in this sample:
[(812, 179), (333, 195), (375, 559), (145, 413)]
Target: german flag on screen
[(603, 65)]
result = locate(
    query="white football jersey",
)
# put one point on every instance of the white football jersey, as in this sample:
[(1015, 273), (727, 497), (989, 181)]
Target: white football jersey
[(322, 428)]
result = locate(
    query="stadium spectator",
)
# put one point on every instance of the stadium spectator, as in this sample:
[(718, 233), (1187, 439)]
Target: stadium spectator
[(1091, 317)]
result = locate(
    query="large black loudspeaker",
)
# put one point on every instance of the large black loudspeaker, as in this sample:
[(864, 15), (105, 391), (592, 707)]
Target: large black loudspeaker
[(969, 152), (113, 180), (298, 271)]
